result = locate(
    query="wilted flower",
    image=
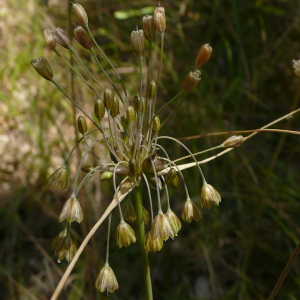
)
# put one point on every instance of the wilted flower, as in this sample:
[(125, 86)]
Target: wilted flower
[(106, 280), (124, 235), (161, 228), (190, 212), (59, 178), (191, 81), (209, 196), (71, 211)]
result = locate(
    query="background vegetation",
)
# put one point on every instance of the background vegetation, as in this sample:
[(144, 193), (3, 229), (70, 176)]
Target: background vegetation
[(239, 249)]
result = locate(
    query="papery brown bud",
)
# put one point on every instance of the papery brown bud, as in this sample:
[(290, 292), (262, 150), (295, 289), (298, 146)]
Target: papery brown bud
[(42, 66), (49, 39), (296, 66), (124, 235), (156, 123), (59, 178), (149, 27), (115, 108), (122, 171), (133, 167), (152, 89), (99, 109), (209, 196), (161, 228), (174, 221), (137, 41), (124, 122), (61, 37), (172, 174), (191, 81), (159, 19), (131, 114), (108, 98), (153, 245), (106, 280), (190, 212), (71, 211), (83, 38), (87, 168), (233, 141), (80, 14), (106, 175), (203, 55), (82, 126)]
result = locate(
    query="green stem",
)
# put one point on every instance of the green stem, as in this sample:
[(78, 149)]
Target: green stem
[(141, 234)]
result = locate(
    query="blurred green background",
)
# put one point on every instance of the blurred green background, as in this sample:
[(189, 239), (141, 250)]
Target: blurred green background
[(238, 250)]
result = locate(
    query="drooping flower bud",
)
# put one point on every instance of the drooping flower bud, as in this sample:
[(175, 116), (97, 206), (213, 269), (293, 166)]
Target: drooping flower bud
[(61, 37), (137, 41), (153, 245), (106, 175), (152, 89), (174, 183), (124, 235), (233, 141), (172, 174), (49, 39), (83, 38), (108, 98), (99, 109), (82, 126), (174, 221), (80, 14), (59, 178), (203, 55), (149, 27), (131, 114), (296, 66), (161, 228), (209, 196), (128, 211), (106, 280), (115, 108), (190, 212), (71, 211), (191, 81), (160, 19), (42, 66), (156, 123)]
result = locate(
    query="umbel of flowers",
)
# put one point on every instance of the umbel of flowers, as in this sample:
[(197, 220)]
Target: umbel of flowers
[(132, 138)]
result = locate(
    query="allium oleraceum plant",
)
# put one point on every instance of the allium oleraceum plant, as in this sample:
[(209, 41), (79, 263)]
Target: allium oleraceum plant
[(132, 138)]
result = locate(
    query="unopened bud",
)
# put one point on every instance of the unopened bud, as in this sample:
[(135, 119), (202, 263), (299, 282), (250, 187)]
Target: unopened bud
[(108, 98), (174, 183), (131, 114), (133, 167), (99, 109), (172, 174), (149, 27), (115, 108), (156, 123), (87, 168), (42, 66), (160, 19), (203, 55), (124, 122), (61, 37), (106, 175), (82, 126), (80, 14), (233, 141), (49, 39), (137, 41), (122, 171), (152, 89), (83, 38), (191, 81)]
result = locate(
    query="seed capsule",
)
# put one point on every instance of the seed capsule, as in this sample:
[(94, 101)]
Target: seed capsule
[(131, 114), (49, 39), (80, 14), (99, 109), (152, 89), (137, 41), (172, 174), (160, 19), (203, 55), (83, 38), (106, 175), (156, 123), (82, 126), (115, 108), (108, 98), (149, 27), (61, 37), (191, 81), (42, 66)]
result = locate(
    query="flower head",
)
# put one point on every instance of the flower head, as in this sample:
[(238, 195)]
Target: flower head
[(59, 179), (190, 212), (174, 221), (71, 211), (209, 196), (106, 280), (153, 245), (124, 235), (161, 228)]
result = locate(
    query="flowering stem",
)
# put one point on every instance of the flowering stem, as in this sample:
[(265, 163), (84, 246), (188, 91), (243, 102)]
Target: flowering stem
[(141, 234)]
